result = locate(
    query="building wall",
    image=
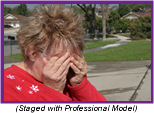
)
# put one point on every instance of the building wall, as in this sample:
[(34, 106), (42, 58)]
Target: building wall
[(131, 16), (98, 15), (9, 17)]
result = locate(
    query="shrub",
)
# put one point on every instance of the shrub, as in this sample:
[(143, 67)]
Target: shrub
[(148, 34), (140, 28), (123, 25)]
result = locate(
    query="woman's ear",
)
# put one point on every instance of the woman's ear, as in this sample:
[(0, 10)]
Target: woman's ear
[(32, 56)]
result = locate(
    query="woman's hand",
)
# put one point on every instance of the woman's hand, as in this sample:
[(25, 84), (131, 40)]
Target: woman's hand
[(55, 72), (79, 69)]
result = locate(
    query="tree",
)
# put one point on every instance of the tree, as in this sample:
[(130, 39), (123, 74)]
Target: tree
[(78, 10), (123, 25), (22, 10), (98, 23), (105, 12), (89, 14), (139, 7), (36, 9), (6, 10), (146, 6), (113, 18), (140, 28), (14, 10), (123, 9)]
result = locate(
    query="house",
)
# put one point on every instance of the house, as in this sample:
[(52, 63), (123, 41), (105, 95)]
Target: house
[(13, 20), (134, 15), (98, 12)]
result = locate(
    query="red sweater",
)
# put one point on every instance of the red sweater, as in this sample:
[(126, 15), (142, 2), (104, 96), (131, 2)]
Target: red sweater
[(19, 85)]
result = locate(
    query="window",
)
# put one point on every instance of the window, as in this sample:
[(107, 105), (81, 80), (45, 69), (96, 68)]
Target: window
[(14, 23)]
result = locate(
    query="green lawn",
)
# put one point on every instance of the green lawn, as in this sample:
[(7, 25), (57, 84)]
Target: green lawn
[(135, 50), (98, 43), (126, 35), (107, 36), (17, 56)]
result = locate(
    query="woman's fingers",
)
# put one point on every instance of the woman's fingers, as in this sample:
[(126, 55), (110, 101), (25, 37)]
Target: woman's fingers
[(64, 67), (55, 62), (60, 61), (79, 64), (64, 74), (78, 61), (49, 64), (55, 72)]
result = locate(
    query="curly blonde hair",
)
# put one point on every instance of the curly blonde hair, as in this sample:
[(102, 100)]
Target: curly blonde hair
[(49, 26)]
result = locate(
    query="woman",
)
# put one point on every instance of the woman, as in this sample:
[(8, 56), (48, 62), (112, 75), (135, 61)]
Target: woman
[(53, 68)]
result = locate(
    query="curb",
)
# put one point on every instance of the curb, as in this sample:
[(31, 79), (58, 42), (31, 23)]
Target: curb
[(134, 94)]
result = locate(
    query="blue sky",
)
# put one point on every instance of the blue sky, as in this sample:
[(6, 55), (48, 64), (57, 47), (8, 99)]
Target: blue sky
[(31, 6)]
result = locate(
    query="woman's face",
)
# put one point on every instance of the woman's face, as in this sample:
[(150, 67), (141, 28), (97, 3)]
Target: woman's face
[(38, 64)]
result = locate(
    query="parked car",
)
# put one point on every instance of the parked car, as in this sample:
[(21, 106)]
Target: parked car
[(7, 26)]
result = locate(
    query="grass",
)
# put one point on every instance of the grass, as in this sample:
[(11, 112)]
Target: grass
[(98, 43), (135, 50), (107, 36), (17, 56), (126, 35)]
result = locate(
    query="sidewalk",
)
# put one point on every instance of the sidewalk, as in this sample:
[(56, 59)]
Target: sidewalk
[(120, 80), (123, 40)]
